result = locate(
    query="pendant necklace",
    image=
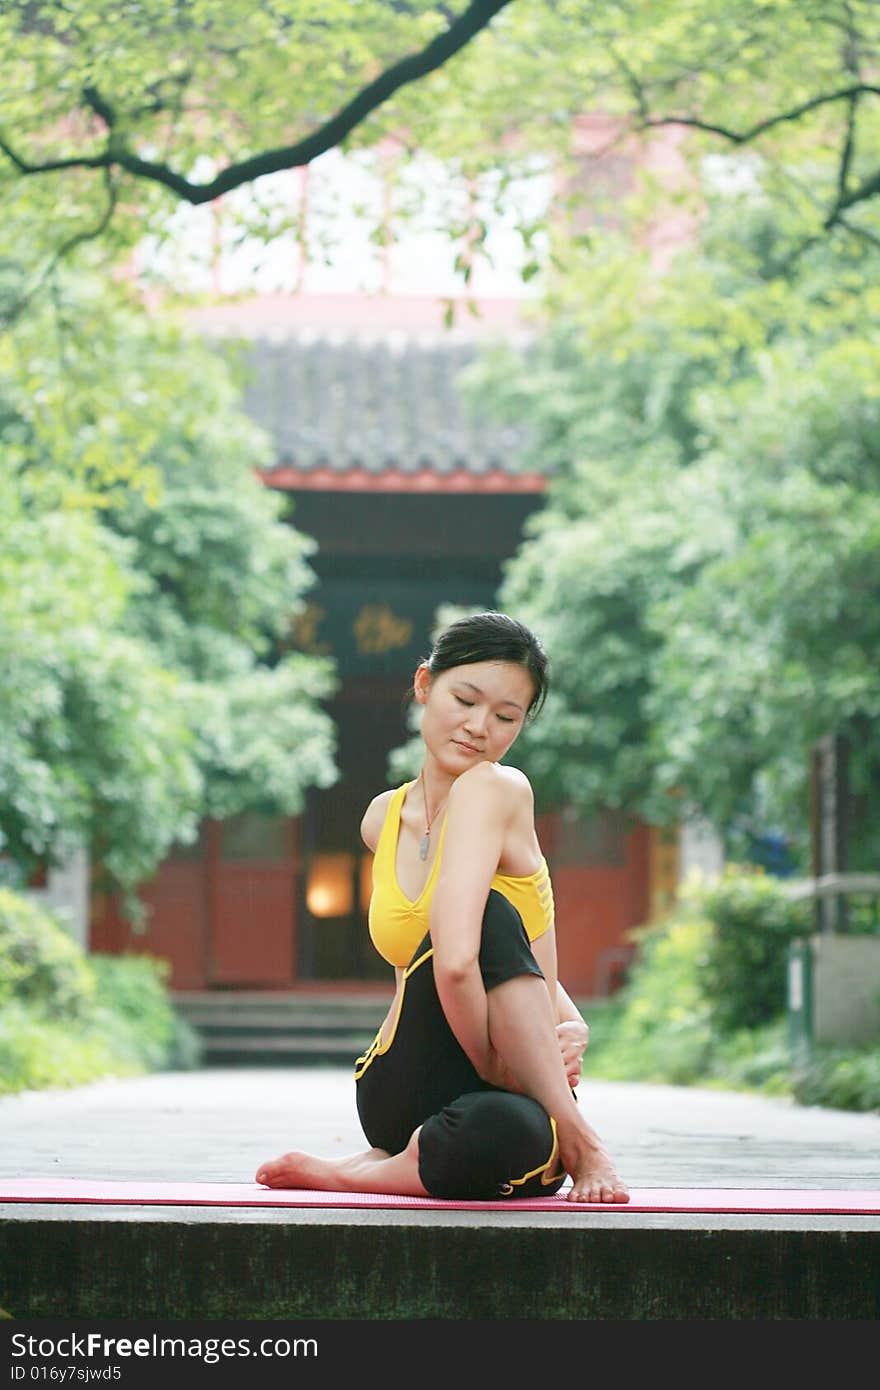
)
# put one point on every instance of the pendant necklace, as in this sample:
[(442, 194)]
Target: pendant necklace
[(425, 843)]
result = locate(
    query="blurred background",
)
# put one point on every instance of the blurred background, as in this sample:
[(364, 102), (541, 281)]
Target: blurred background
[(322, 325)]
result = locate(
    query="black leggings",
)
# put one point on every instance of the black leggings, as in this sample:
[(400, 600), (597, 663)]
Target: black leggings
[(477, 1141)]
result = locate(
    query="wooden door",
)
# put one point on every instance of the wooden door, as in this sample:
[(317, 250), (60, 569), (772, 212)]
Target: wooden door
[(252, 906)]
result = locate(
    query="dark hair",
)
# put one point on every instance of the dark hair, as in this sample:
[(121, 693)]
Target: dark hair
[(492, 636)]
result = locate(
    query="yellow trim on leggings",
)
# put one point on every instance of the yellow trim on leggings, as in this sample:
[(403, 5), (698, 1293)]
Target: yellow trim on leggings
[(377, 1047), (506, 1189)]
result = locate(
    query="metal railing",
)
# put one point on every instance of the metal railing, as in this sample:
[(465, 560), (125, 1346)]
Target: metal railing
[(830, 894)]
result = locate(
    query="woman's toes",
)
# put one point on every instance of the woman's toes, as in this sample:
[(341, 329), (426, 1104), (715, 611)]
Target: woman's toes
[(268, 1171)]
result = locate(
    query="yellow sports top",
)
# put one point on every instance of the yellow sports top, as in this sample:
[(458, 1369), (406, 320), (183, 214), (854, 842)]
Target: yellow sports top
[(398, 923)]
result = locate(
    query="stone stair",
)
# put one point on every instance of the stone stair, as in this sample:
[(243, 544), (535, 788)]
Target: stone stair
[(257, 1028)]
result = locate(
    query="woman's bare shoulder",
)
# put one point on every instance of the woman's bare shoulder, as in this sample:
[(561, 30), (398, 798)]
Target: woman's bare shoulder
[(374, 818), (496, 780)]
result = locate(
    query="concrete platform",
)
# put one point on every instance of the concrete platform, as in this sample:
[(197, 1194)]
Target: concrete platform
[(79, 1262)]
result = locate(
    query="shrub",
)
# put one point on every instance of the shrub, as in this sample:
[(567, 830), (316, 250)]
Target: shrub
[(67, 1017), (754, 1059), (705, 980), (40, 962), (136, 1011), (662, 1031), (753, 923), (38, 1051), (840, 1078), (719, 956)]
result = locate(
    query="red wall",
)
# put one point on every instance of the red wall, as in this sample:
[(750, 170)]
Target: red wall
[(597, 903), (222, 913)]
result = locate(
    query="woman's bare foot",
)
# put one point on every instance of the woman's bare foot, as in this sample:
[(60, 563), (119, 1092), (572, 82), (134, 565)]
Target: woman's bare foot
[(373, 1171), (300, 1170), (594, 1177)]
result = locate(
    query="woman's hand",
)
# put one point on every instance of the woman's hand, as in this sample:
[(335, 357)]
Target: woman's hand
[(573, 1037)]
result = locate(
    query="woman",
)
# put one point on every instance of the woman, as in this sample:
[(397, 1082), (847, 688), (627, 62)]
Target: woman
[(467, 1090)]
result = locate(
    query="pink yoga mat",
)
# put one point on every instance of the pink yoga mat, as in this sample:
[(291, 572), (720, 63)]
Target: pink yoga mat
[(102, 1192)]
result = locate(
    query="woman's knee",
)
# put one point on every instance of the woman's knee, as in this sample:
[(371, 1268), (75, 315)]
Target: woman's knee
[(489, 1145)]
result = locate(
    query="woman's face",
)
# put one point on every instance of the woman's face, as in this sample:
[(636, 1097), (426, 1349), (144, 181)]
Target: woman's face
[(473, 713)]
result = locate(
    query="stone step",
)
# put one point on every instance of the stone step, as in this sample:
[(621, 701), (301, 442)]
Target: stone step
[(249, 1028), (272, 1020)]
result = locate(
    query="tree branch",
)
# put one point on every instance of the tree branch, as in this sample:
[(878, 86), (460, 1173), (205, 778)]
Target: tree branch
[(868, 188), (102, 108), (851, 64), (417, 65), (846, 153), (855, 230), (10, 314), (745, 137), (846, 197)]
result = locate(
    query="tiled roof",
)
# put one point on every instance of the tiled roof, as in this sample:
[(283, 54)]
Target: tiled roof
[(386, 404)]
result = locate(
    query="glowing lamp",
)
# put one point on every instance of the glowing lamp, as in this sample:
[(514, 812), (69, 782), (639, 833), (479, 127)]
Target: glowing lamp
[(330, 887)]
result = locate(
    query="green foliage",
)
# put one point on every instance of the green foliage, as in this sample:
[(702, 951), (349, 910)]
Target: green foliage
[(663, 1031), (148, 579), (95, 745), (590, 586), (140, 105), (755, 1059), (776, 633), (715, 965), (136, 1013), (753, 923), (705, 569), (263, 737), (67, 1017), (38, 1052), (40, 964), (677, 1019), (841, 1078)]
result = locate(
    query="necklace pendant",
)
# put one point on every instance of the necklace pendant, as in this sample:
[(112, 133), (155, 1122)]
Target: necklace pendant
[(425, 842)]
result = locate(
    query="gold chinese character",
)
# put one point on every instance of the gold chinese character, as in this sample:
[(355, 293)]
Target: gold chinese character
[(376, 629)]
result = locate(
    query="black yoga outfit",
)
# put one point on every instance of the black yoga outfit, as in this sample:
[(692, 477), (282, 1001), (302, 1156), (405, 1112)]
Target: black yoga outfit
[(477, 1142)]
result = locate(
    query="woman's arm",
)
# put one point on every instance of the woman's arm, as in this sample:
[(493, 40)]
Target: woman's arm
[(566, 1009), (477, 815), (371, 827), (472, 845), (573, 1033)]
